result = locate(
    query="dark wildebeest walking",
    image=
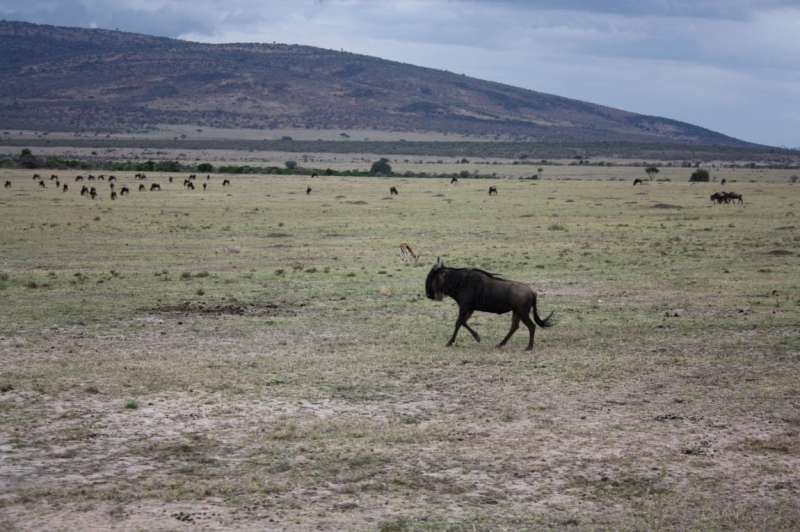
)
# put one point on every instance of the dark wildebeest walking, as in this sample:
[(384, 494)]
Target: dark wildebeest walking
[(93, 193), (723, 181), (113, 195), (41, 184), (308, 190), (493, 191), (8, 183), (732, 196), (393, 191), (475, 289), (454, 181), (205, 185), (84, 190), (65, 188), (637, 181)]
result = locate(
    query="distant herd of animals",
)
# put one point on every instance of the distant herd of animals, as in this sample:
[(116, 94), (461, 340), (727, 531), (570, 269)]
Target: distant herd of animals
[(188, 183)]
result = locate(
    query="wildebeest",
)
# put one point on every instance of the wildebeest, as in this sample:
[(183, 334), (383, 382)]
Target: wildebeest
[(41, 184), (393, 191), (226, 182), (637, 181), (142, 187), (93, 193), (205, 185), (155, 186), (113, 195), (732, 196), (123, 191), (78, 178), (493, 191), (190, 185), (308, 190), (313, 176), (8, 183), (723, 181), (475, 289), (65, 188), (36, 176), (90, 177), (84, 190), (53, 177), (170, 180), (454, 181), (111, 178)]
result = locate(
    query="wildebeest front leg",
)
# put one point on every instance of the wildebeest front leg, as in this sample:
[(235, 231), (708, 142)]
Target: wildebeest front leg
[(512, 330), (463, 316)]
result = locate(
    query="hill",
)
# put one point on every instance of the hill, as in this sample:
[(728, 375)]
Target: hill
[(73, 79)]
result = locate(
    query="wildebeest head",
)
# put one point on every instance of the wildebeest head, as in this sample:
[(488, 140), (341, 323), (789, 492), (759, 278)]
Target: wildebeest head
[(435, 281)]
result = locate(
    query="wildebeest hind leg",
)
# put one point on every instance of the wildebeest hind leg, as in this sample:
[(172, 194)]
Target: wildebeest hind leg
[(531, 327), (512, 330)]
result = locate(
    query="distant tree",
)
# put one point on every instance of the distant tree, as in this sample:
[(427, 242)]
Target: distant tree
[(291, 165), (205, 168), (540, 170), (651, 172), (286, 137), (700, 175), (464, 174), (27, 159), (381, 167)]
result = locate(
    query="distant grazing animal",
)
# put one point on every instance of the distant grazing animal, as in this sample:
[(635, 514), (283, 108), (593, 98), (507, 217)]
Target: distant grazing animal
[(101, 178), (36, 176), (393, 191), (93, 193), (65, 188), (140, 176), (170, 180), (90, 177), (78, 178), (454, 181), (308, 190), (124, 190), (192, 176), (41, 184), (111, 185), (475, 289), (142, 187), (58, 184), (637, 181), (313, 175), (155, 186), (8, 183), (406, 252), (113, 195), (53, 177), (208, 177), (190, 185), (493, 191), (205, 185), (226, 182), (84, 190), (732, 196), (111, 178), (723, 181)]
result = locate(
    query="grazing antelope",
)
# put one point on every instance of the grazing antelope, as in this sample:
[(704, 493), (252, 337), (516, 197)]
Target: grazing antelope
[(393, 191), (124, 190), (36, 176), (493, 191), (637, 181), (53, 177), (111, 178), (155, 186), (226, 182), (142, 187), (406, 252), (78, 178)]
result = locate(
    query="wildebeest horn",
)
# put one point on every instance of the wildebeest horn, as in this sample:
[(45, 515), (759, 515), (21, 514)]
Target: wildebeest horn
[(438, 264)]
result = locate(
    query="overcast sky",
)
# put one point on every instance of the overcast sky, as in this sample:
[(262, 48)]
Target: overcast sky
[(732, 66)]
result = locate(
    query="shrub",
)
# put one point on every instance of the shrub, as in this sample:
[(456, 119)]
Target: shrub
[(700, 175), (132, 404), (205, 167), (381, 167), (291, 165)]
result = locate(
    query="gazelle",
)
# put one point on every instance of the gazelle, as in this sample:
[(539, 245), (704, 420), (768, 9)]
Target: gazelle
[(406, 251)]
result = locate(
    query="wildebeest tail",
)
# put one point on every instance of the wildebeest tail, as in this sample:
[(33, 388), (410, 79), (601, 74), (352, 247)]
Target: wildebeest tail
[(549, 321)]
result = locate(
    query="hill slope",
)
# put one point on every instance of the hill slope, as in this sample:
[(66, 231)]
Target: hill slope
[(71, 79)]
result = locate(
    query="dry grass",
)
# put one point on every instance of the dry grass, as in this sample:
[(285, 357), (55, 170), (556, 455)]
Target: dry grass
[(286, 367)]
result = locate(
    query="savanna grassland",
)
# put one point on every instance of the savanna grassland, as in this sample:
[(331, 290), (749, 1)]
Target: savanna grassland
[(256, 358)]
